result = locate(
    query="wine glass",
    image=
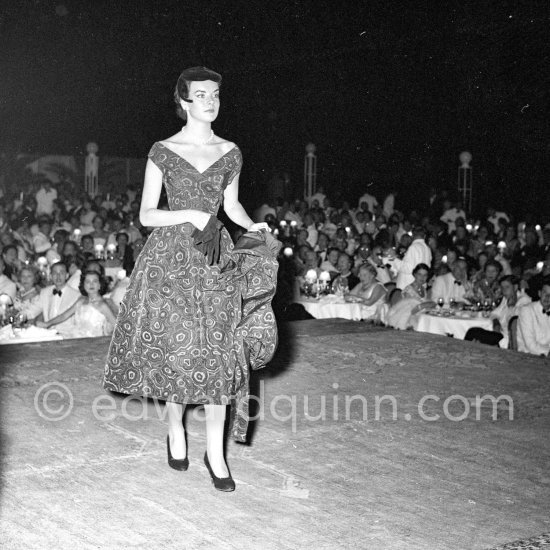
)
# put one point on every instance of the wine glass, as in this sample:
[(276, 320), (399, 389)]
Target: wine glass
[(440, 302), (20, 320), (452, 303), (345, 286)]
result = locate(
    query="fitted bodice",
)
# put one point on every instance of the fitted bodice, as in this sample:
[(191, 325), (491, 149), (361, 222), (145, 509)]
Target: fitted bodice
[(89, 321), (186, 187)]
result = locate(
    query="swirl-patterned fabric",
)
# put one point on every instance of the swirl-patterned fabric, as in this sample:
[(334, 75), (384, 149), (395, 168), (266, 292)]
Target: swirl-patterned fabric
[(175, 338)]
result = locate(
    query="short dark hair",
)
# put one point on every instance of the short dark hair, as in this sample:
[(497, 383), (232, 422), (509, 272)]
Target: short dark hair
[(494, 263), (9, 247), (122, 234), (193, 74), (61, 263), (510, 278), (418, 267)]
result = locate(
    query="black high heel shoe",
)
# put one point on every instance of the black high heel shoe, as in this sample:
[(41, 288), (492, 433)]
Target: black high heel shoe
[(220, 483), (180, 464)]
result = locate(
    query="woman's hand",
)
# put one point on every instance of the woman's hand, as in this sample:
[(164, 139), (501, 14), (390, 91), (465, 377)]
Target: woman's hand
[(259, 227), (42, 324)]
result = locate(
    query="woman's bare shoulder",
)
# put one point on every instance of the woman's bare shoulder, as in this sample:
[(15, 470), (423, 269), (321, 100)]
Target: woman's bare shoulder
[(175, 140)]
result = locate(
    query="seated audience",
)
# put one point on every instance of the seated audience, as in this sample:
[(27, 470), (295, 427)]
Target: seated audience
[(12, 264), (414, 299), (369, 291), (28, 291), (534, 324), (55, 299), (417, 253), (7, 286), (512, 300), (453, 285), (124, 252), (345, 279), (488, 287), (92, 314), (99, 234)]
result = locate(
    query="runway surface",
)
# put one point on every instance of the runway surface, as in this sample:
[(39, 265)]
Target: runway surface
[(366, 438)]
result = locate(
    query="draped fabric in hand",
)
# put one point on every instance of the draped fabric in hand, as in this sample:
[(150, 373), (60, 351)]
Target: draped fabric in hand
[(179, 333)]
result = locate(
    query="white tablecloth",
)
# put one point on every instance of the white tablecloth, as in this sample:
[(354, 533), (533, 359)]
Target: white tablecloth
[(8, 335), (457, 325), (331, 307)]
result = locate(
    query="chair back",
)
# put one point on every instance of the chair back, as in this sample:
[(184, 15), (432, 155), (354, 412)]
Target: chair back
[(394, 296), (513, 333)]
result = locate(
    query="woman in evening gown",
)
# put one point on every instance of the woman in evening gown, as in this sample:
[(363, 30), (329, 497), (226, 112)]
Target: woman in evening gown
[(414, 299), (92, 313), (176, 332)]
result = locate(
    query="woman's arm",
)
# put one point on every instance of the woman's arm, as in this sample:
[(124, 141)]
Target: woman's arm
[(112, 306), (234, 209), (61, 317), (377, 293), (423, 305), (104, 308), (151, 216), (356, 290)]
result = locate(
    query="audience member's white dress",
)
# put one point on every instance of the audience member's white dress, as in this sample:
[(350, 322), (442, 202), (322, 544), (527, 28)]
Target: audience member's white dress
[(400, 315), (372, 312), (88, 322)]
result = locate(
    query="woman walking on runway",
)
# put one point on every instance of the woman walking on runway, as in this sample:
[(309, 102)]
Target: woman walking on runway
[(178, 335)]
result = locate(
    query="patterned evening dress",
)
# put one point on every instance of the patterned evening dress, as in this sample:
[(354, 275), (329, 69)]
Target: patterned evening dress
[(175, 338)]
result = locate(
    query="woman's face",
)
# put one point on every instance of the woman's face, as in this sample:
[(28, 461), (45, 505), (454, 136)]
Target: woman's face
[(333, 257), (451, 257), (91, 284), (482, 260), (10, 256), (366, 276), (508, 289), (69, 249), (421, 277), (491, 273), (122, 240), (26, 278), (87, 244), (98, 223), (205, 98)]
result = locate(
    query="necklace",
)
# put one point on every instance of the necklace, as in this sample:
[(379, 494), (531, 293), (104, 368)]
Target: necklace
[(210, 137)]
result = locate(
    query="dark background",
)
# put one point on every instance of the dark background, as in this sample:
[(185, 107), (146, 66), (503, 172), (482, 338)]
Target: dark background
[(389, 91)]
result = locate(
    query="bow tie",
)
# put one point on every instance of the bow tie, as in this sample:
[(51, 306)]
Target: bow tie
[(459, 283), (55, 291)]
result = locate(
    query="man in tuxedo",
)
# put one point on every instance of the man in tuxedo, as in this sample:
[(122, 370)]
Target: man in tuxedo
[(55, 299), (534, 324), (345, 275), (454, 284)]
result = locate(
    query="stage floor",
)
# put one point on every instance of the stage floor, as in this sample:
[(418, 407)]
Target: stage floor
[(416, 470)]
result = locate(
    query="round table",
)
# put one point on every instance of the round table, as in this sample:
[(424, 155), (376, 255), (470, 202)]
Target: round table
[(331, 307), (455, 325)]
